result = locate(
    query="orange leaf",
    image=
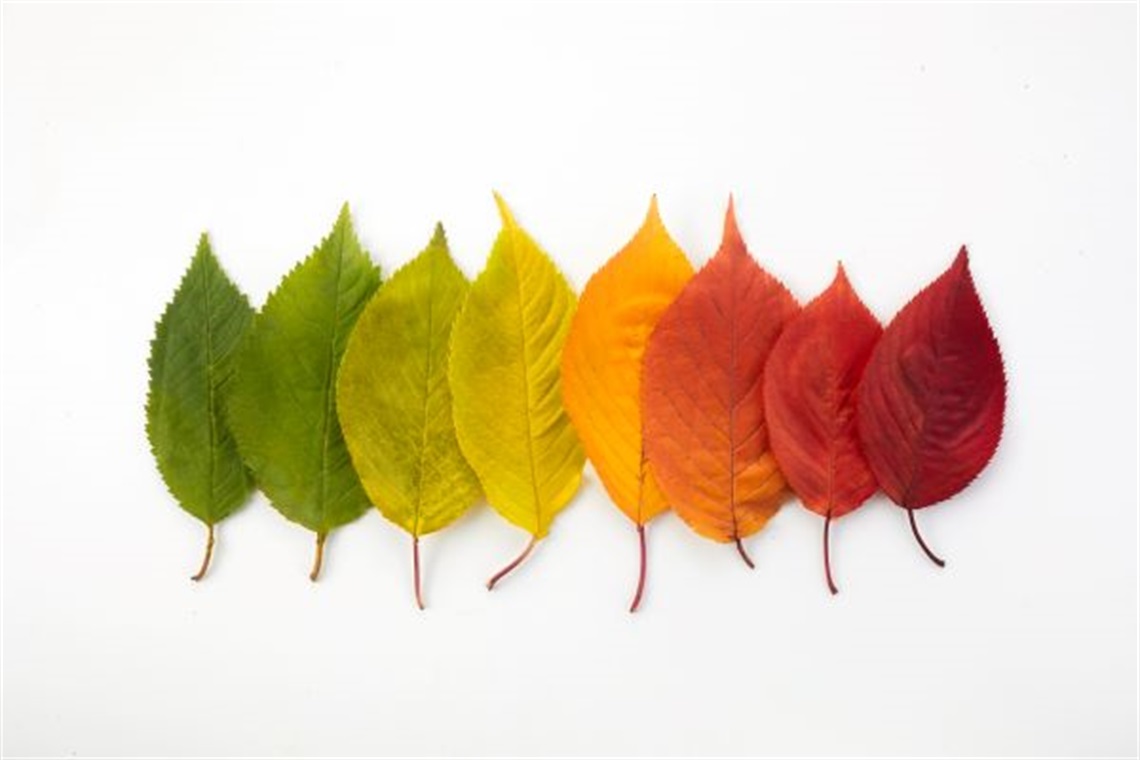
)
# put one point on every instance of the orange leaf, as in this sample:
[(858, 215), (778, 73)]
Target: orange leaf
[(706, 438), (809, 399), (601, 365)]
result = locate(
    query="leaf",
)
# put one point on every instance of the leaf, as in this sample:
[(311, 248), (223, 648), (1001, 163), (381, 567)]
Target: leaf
[(601, 366), (283, 405), (191, 361), (809, 400), (505, 387), (394, 403), (702, 396), (932, 400)]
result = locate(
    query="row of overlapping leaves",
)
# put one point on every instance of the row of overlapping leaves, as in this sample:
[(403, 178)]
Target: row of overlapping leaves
[(715, 394)]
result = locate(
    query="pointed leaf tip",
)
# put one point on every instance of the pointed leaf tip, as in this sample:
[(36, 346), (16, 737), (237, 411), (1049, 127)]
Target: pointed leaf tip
[(731, 228), (959, 268), (653, 225), (204, 252), (343, 222), (505, 211), (841, 280), (654, 213), (439, 237)]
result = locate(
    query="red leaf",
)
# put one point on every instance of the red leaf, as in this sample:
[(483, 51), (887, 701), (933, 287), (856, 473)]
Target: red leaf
[(932, 399), (809, 399), (702, 395)]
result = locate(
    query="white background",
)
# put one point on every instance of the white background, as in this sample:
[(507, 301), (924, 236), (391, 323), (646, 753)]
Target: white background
[(883, 135)]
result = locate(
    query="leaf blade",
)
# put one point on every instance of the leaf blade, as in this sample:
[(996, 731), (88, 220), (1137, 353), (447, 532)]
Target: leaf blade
[(190, 365), (601, 363), (282, 408), (394, 401), (931, 404), (505, 382), (705, 433), (809, 396)]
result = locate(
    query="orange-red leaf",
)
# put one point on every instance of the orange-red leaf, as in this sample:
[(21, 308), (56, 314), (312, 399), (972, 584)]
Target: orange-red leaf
[(809, 397), (932, 400), (702, 394)]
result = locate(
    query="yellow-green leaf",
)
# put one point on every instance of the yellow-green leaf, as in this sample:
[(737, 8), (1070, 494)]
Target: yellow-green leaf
[(504, 372), (283, 406), (394, 403)]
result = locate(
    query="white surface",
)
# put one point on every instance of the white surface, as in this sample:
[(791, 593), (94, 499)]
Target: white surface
[(880, 134)]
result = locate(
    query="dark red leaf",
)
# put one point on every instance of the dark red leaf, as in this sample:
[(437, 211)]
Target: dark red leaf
[(932, 400)]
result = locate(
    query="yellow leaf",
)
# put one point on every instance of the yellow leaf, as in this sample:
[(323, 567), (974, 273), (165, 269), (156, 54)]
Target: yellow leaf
[(505, 382)]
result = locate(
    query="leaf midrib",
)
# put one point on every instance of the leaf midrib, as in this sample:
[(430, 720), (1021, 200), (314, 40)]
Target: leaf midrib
[(326, 433), (210, 400), (732, 399), (526, 381), (427, 399), (921, 444), (832, 403)]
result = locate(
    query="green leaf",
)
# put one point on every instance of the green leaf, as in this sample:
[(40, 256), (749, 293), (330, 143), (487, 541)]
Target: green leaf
[(191, 362), (283, 405), (394, 403), (505, 382)]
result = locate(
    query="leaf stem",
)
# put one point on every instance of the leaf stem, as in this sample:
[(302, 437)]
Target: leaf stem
[(209, 553), (514, 563), (744, 555), (318, 557), (827, 553), (641, 572), (918, 537), (416, 569)]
